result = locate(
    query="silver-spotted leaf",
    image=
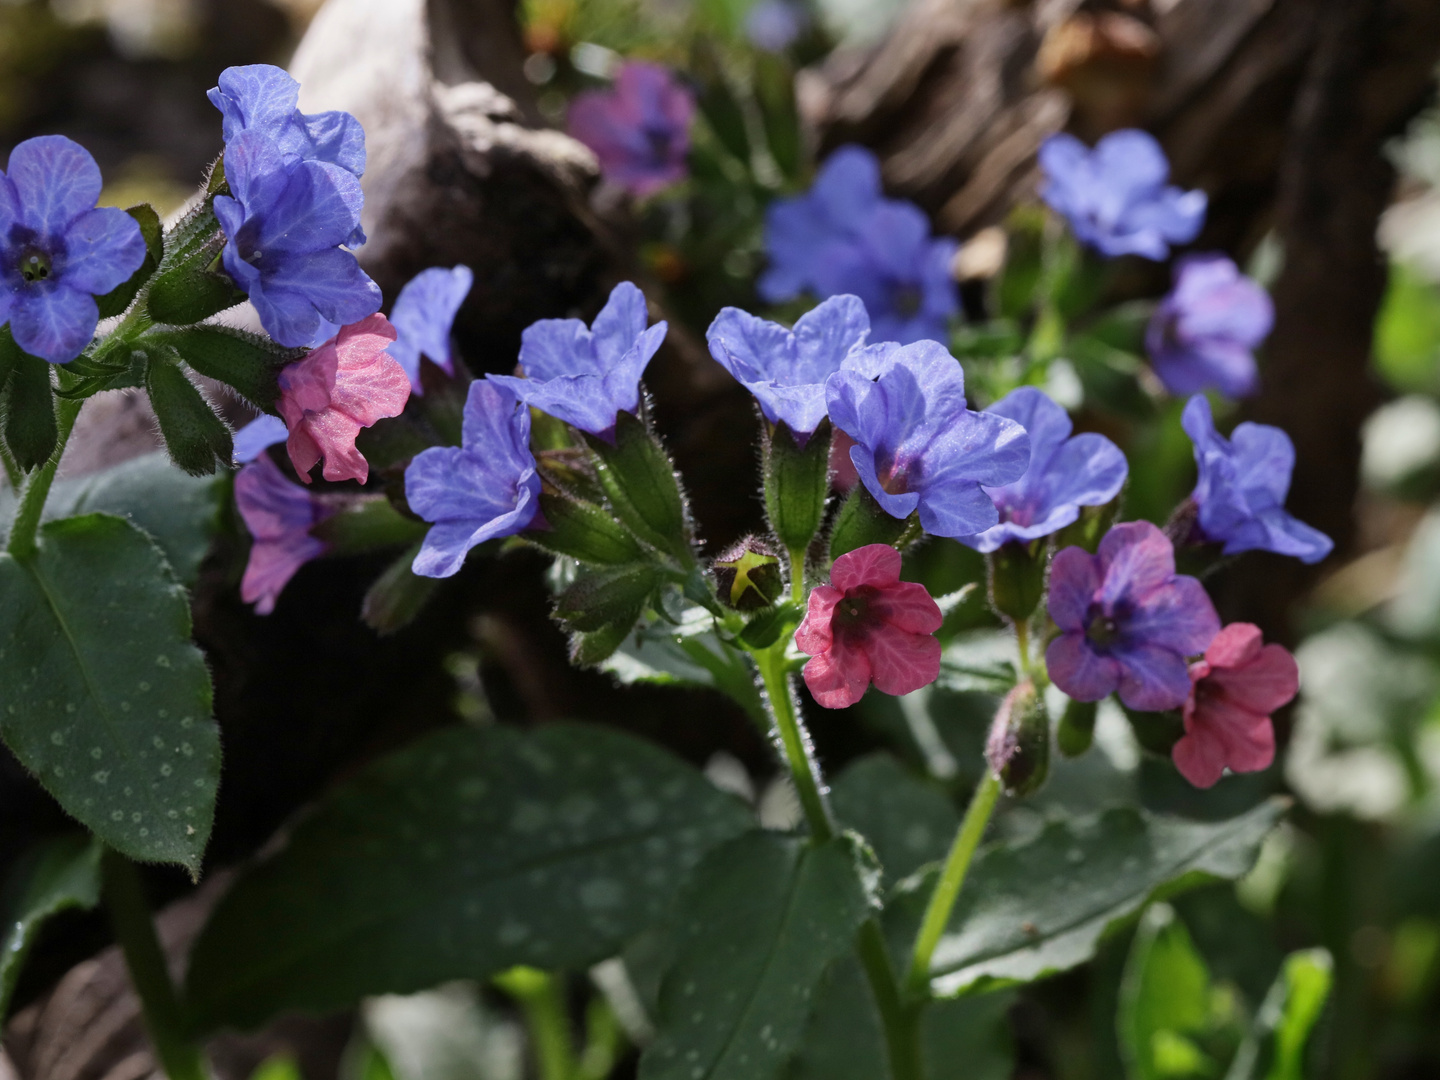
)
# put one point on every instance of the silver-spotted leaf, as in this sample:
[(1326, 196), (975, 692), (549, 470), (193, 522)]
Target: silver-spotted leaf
[(102, 694), (61, 873)]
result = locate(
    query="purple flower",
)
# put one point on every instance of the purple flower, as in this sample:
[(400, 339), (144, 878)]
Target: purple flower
[(773, 25), (263, 97), (842, 236), (639, 128), (1127, 621), (259, 435), (1116, 197), (1244, 479), (1203, 334), (58, 251), (423, 314), (786, 370), (485, 488), (284, 230), (1065, 473), (279, 515), (587, 376), (916, 444)]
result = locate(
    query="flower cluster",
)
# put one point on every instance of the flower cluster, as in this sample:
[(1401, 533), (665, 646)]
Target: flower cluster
[(843, 236), (293, 207)]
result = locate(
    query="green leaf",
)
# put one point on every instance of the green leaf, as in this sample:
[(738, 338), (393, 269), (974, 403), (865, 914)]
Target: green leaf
[(601, 596), (30, 429), (908, 821), (102, 694), (186, 290), (195, 437), (758, 925), (1286, 1018), (181, 513), (584, 531), (247, 363), (118, 299), (963, 1038), (1041, 906), (690, 654), (1407, 331), (1164, 996), (466, 853), (58, 874)]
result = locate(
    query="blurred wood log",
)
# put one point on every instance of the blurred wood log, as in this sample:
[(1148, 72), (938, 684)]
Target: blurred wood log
[(1278, 108)]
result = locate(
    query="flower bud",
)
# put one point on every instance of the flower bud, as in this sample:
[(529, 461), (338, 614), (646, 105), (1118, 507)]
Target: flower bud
[(1017, 578), (797, 483), (1076, 730), (639, 481), (862, 522), (1018, 749), (747, 576)]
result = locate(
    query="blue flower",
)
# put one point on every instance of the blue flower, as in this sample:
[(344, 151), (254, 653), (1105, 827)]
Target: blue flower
[(259, 435), (483, 489), (1203, 334), (58, 251), (279, 515), (843, 236), (1065, 473), (586, 377), (423, 315), (284, 230), (1116, 197), (786, 370), (1243, 482), (916, 443), (264, 98)]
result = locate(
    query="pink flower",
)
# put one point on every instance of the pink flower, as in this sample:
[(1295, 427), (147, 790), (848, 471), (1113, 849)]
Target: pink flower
[(1233, 691), (346, 384), (868, 626), (279, 515)]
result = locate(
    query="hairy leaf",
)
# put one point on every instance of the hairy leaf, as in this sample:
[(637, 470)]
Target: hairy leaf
[(102, 694), (461, 855)]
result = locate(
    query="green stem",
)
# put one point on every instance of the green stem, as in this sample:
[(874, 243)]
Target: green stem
[(901, 1019), (1022, 641), (32, 499), (540, 999), (952, 877), (795, 740), (135, 930), (797, 575)]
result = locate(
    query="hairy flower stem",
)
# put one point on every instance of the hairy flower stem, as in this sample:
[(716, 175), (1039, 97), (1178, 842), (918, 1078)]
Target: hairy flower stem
[(21, 544), (952, 877), (145, 960), (1022, 642), (901, 1021), (13, 472), (797, 575), (541, 1000), (796, 741)]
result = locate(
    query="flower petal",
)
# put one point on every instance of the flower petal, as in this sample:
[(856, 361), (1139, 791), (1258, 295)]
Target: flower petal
[(54, 324), (1074, 581), (1152, 679), (877, 565), (56, 180), (1079, 671), (901, 662)]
